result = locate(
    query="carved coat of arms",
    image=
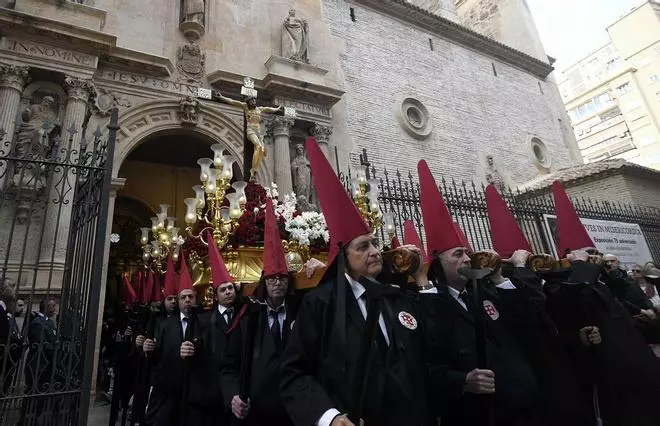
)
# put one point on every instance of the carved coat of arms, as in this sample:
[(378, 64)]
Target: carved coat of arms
[(190, 62)]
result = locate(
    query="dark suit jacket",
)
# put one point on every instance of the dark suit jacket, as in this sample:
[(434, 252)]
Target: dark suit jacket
[(266, 403), (515, 383), (169, 376), (42, 338), (315, 377)]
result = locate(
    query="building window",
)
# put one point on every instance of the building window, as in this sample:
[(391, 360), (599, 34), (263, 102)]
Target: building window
[(415, 118), (624, 88), (540, 152), (591, 107)]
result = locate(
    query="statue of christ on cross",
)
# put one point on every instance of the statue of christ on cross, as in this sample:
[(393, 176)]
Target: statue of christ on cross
[(253, 117)]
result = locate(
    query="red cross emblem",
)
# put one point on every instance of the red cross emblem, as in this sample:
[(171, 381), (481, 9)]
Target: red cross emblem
[(491, 310), (407, 320)]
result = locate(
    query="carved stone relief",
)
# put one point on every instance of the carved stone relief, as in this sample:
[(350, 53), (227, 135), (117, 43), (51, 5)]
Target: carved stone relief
[(189, 110), (104, 100), (190, 62)]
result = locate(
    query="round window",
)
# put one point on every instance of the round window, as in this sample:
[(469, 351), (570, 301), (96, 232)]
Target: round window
[(540, 151), (414, 117)]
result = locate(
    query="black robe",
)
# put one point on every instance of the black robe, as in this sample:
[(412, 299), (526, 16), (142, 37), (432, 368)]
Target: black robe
[(203, 389), (317, 369), (516, 386), (266, 405), (623, 368), (560, 401), (216, 338)]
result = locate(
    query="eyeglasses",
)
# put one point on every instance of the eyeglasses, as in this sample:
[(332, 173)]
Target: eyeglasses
[(281, 279), (637, 270)]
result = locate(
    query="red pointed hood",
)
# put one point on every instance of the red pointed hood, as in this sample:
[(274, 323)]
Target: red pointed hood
[(342, 217), (185, 280), (463, 237), (219, 270), (441, 235), (571, 234), (170, 279), (129, 293), (274, 260), (395, 242), (411, 237), (504, 230)]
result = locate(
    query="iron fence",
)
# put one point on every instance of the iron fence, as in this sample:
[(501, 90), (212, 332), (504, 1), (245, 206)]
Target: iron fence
[(399, 194), (54, 195)]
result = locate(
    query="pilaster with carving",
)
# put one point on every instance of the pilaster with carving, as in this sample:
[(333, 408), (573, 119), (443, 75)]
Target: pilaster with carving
[(280, 128), (78, 91), (322, 134), (12, 81)]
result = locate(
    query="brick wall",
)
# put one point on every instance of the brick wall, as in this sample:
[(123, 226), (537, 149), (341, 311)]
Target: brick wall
[(475, 113)]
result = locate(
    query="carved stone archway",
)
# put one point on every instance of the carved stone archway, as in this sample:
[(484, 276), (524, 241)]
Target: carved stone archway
[(138, 123)]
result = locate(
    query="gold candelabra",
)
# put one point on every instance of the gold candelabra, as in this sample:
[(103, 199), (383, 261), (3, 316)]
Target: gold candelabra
[(365, 195), (161, 240), (207, 205)]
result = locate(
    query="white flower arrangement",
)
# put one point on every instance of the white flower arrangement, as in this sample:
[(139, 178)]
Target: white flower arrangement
[(304, 228)]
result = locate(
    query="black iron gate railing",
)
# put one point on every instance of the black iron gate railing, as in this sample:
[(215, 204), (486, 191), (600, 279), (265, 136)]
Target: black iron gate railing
[(54, 194), (399, 194)]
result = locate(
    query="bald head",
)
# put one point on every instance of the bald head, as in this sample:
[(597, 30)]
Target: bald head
[(611, 261)]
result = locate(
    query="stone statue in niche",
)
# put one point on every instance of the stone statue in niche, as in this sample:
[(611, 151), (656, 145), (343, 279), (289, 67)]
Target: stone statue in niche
[(194, 11), (295, 33), (302, 174), (189, 110), (39, 123), (493, 176)]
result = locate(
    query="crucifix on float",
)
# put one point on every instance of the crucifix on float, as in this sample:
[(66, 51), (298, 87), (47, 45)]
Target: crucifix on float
[(252, 116)]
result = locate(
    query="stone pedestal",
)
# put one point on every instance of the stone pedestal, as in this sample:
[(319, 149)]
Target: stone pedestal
[(63, 179), (322, 134), (280, 128)]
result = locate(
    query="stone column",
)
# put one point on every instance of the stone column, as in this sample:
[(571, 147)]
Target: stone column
[(322, 134), (12, 80), (63, 179), (280, 128)]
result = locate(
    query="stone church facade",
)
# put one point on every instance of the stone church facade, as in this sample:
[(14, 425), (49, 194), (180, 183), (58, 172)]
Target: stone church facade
[(403, 79)]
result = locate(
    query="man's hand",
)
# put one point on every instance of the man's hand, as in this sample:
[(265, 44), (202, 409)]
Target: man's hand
[(240, 408), (590, 336), (139, 340), (480, 381), (578, 255), (187, 349), (128, 332), (646, 315), (519, 258), (342, 420), (312, 265), (419, 275), (149, 345)]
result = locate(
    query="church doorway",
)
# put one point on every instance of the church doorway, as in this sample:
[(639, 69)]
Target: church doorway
[(162, 169)]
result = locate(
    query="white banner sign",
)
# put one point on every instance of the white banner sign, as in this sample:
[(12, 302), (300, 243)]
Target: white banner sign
[(624, 240)]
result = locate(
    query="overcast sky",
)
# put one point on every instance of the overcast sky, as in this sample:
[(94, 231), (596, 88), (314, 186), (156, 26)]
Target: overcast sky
[(571, 29)]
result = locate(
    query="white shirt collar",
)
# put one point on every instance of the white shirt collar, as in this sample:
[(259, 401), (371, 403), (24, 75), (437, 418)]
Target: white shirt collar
[(358, 289), (222, 309), (182, 316), (3, 305), (282, 306), (40, 314), (453, 292)]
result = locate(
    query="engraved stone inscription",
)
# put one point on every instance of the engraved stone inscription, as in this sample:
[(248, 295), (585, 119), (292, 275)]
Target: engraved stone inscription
[(50, 52), (149, 82)]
